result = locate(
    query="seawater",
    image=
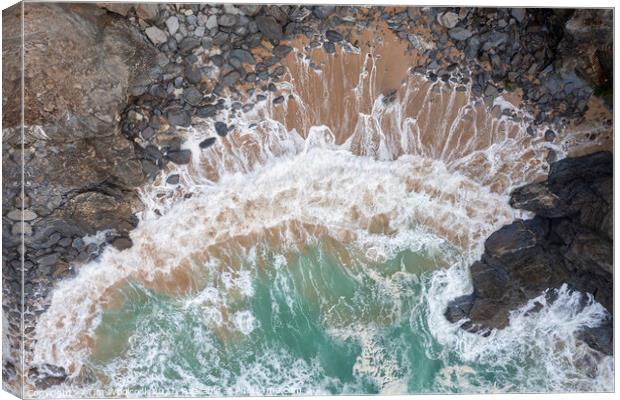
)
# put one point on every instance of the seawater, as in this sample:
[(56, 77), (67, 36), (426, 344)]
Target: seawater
[(314, 250)]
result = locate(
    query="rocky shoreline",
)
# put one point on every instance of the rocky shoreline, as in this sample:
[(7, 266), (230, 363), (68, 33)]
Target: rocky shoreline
[(108, 122), (570, 240)]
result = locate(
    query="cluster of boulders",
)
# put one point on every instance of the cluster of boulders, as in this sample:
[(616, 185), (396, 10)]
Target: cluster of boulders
[(569, 241), (557, 57), (216, 61)]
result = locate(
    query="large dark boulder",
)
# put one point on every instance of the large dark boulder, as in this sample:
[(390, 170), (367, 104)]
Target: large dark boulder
[(570, 241)]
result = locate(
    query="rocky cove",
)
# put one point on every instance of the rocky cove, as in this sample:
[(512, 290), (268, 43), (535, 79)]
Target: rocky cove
[(100, 127)]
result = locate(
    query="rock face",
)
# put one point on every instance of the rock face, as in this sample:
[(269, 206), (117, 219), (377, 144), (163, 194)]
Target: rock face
[(80, 62), (569, 241)]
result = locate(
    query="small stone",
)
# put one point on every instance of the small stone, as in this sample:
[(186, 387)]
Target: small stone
[(122, 243), (549, 135), (278, 100), (192, 96), (207, 111), (179, 117), (231, 78), (243, 55), (147, 133), (460, 34), (172, 24), (188, 44), (281, 51), (156, 35), (193, 74), (180, 157), (329, 47), (48, 260), (221, 128), (211, 22), (448, 19), (228, 20), (208, 142), (200, 31), (269, 27), (173, 179), (333, 36), (490, 90)]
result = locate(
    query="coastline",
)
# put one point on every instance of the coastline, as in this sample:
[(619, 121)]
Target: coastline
[(151, 108)]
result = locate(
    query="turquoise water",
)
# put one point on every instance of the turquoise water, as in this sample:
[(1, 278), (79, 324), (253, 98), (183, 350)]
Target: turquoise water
[(318, 321), (293, 326)]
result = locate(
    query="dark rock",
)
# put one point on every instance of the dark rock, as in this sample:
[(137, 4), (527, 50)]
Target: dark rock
[(269, 27), (459, 308), (460, 34), (568, 242), (178, 117), (587, 168), (122, 243), (193, 74), (173, 179), (278, 100), (549, 135), (281, 51), (180, 157), (537, 197), (333, 36), (147, 133), (329, 47), (599, 338), (208, 142), (243, 55), (188, 44), (207, 111), (46, 375), (231, 78), (192, 96), (220, 128)]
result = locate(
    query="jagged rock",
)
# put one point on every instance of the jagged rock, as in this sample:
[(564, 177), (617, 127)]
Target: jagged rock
[(568, 242), (539, 198)]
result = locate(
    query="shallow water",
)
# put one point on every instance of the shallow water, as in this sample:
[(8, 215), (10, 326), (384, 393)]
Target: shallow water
[(315, 250)]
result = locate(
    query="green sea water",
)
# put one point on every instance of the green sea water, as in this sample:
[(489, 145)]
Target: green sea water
[(319, 321)]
